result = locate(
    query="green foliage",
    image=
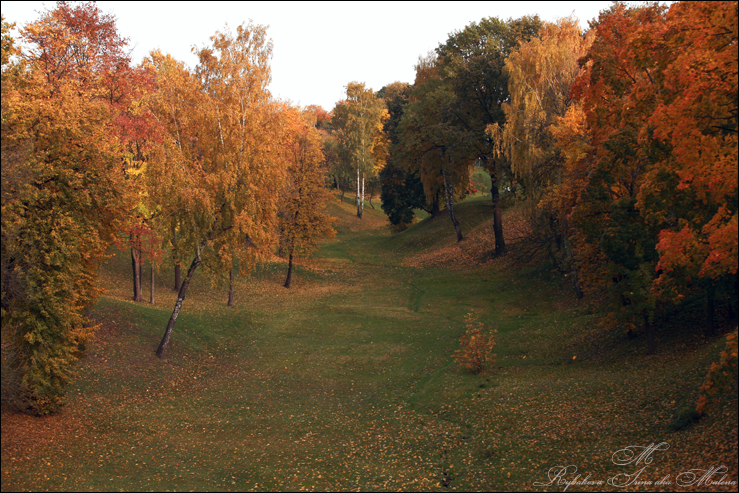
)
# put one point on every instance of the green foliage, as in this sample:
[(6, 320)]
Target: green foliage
[(396, 96), (685, 417), (472, 63), (471, 66), (360, 121), (426, 146), (360, 133), (629, 247), (481, 181), (402, 191)]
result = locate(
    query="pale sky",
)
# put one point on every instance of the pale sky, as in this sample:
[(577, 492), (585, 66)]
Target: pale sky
[(319, 47)]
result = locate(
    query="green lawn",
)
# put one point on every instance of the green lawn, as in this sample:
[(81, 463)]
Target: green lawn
[(346, 382)]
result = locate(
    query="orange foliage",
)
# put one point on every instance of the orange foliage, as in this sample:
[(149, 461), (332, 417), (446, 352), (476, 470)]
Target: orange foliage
[(302, 218), (660, 111), (477, 344), (697, 118)]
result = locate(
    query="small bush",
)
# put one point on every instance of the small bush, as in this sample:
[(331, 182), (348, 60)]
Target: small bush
[(721, 375), (476, 354), (684, 418), (398, 228)]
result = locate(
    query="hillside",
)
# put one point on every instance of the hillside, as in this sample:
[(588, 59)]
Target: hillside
[(346, 381)]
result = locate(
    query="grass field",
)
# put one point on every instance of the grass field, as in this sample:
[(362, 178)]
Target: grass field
[(346, 381)]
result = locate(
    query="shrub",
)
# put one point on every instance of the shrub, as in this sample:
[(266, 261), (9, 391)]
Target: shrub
[(686, 416), (720, 376), (476, 354)]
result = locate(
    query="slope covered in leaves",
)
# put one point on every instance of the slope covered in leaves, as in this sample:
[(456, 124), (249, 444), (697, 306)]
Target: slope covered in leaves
[(346, 382), (429, 244)]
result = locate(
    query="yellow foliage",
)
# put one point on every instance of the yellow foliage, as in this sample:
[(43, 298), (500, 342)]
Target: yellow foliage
[(541, 73)]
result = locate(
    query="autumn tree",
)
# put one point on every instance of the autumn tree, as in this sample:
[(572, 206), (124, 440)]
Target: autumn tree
[(141, 136), (428, 145), (471, 64), (362, 142), (316, 116), (621, 148), (226, 159), (561, 198), (658, 221), (303, 220), (66, 195), (175, 104), (691, 192), (540, 75)]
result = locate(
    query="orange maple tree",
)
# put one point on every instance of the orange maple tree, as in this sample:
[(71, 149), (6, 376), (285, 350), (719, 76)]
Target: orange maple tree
[(697, 119), (659, 199)]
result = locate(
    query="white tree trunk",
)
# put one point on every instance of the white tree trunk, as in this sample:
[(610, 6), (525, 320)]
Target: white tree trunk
[(359, 211)]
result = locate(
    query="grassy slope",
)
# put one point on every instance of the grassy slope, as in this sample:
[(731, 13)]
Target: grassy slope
[(346, 381)]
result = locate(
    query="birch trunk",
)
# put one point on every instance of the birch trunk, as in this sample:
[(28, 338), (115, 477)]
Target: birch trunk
[(178, 306), (359, 208)]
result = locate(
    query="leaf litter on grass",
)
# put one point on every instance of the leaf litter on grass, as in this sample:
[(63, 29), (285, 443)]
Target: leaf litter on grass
[(345, 384)]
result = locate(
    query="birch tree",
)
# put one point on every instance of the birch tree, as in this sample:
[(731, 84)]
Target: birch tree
[(360, 119), (224, 158)]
